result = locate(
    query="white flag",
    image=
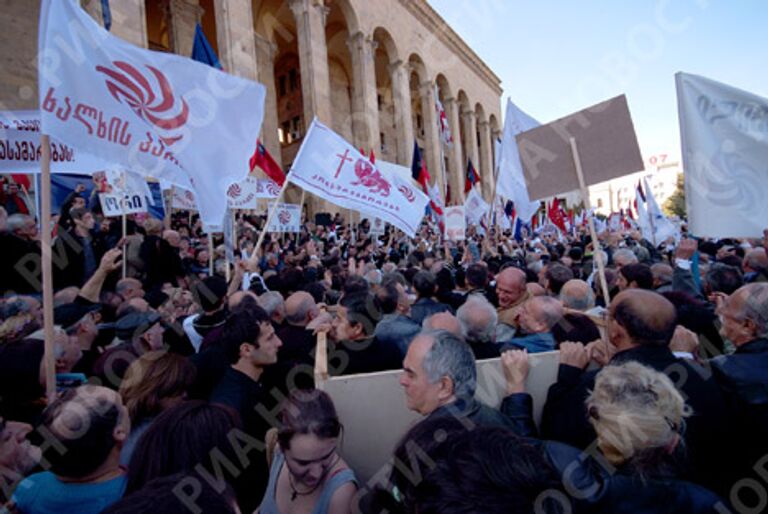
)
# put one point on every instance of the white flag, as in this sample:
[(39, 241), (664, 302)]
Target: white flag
[(475, 207), (156, 114), (510, 182), (725, 157), (331, 168), (663, 228)]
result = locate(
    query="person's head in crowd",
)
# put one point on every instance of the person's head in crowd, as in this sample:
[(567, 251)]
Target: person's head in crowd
[(172, 238), (78, 202), (438, 368), (153, 227), (309, 434), (425, 284), (373, 277), (576, 254), (129, 288), (510, 286), (250, 342), (577, 295), (3, 219), (394, 277), (83, 219), (18, 456), (637, 317), (623, 257), (477, 276), (355, 284), (539, 314), (132, 306), (90, 424), (180, 493), (744, 314), (391, 298), (443, 321), (662, 274), (356, 317), (274, 305), (577, 328), (66, 295), (142, 329), (300, 309), (555, 276), (19, 317), (638, 415), (22, 226), (210, 294), (755, 261), (155, 382), (291, 280), (317, 290), (722, 278), (238, 296), (635, 276), (478, 319), (535, 289), (80, 320), (190, 436)]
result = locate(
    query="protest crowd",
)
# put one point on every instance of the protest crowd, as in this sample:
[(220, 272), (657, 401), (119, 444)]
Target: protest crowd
[(180, 392)]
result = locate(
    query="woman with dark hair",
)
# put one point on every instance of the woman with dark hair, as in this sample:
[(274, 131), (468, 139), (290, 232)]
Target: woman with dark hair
[(307, 473), (153, 383)]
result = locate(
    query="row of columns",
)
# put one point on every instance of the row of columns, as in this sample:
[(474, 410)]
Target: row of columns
[(246, 54)]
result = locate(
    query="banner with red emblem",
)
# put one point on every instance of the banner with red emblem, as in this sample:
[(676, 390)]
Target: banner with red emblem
[(333, 169), (286, 219)]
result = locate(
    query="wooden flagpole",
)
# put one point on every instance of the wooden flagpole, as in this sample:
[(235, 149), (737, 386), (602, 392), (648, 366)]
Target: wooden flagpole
[(45, 242), (210, 252), (253, 262), (125, 221), (591, 221)]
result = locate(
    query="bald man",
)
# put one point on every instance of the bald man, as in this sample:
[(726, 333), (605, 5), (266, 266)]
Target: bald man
[(537, 317), (755, 265), (298, 341), (640, 327), (743, 376), (443, 321), (512, 294), (577, 295)]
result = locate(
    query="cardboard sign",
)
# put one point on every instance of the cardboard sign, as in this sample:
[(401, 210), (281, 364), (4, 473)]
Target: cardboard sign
[(455, 224), (183, 199), (286, 219), (117, 205), (607, 146), (377, 226)]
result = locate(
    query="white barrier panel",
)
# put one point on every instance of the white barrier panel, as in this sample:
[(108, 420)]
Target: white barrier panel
[(372, 407)]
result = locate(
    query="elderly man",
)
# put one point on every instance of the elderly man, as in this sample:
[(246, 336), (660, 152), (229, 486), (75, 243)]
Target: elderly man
[(577, 295), (396, 328), (555, 276), (478, 321), (298, 343), (440, 377), (20, 256), (512, 294), (755, 265), (537, 317), (443, 321), (274, 305), (624, 257), (743, 376), (640, 327), (129, 288), (662, 277)]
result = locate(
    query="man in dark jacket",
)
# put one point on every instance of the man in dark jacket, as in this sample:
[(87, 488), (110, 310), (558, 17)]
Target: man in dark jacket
[(425, 284), (743, 376), (76, 252), (20, 256), (640, 327)]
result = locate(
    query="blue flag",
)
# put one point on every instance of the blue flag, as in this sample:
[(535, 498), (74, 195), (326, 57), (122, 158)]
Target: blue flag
[(106, 14), (202, 51)]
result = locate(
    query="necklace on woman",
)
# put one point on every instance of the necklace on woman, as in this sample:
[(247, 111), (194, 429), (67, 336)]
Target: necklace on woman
[(295, 492)]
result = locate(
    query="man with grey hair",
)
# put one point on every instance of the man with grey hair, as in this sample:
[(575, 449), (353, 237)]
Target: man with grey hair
[(442, 321), (478, 321), (440, 377), (623, 257), (537, 317), (273, 304), (577, 295), (20, 256), (662, 277), (743, 376)]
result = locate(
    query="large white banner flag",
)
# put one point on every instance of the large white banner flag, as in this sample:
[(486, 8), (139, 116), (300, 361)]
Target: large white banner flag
[(20, 148), (475, 207), (157, 114), (510, 182), (725, 157), (331, 168)]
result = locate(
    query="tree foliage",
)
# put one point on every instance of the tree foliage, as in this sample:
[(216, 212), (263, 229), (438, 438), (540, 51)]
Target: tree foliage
[(675, 204)]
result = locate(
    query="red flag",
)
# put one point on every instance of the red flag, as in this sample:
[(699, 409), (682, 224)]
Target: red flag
[(557, 216), (372, 157), (22, 181), (266, 162)]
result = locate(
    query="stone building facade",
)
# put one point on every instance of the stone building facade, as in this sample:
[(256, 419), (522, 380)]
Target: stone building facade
[(369, 70)]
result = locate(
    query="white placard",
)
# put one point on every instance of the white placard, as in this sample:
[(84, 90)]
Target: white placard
[(455, 223), (183, 199), (111, 204), (286, 219)]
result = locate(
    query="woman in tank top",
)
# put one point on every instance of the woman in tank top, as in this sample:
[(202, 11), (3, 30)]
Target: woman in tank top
[(307, 475)]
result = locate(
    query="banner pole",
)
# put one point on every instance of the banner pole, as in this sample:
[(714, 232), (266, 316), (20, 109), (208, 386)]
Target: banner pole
[(210, 253), (591, 221), (45, 244), (125, 223), (254, 260)]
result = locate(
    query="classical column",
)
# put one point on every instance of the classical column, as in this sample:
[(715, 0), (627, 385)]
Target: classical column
[(456, 166), (365, 105), (431, 133), (185, 14), (265, 56), (486, 164), (469, 121), (313, 59), (129, 20), (234, 34), (401, 96)]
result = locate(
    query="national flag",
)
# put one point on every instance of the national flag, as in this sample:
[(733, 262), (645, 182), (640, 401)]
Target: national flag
[(202, 51), (264, 160), (510, 181), (640, 191), (471, 177), (21, 180), (436, 206), (444, 128), (155, 113), (419, 168), (557, 216), (725, 151), (329, 167)]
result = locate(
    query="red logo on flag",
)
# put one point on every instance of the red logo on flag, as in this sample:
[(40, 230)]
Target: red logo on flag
[(407, 192), (233, 191), (273, 188), (370, 177), (284, 216), (127, 84)]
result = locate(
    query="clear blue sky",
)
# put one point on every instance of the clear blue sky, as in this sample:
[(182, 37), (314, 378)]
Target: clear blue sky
[(555, 58)]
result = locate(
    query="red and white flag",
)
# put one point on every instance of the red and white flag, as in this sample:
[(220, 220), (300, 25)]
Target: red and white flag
[(442, 121), (329, 167), (156, 114), (436, 206)]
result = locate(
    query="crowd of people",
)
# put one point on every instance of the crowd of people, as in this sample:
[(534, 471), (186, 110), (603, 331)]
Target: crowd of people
[(180, 391)]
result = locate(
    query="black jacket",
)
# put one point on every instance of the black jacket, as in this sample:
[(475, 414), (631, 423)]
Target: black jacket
[(364, 356), (68, 259), (707, 435), (425, 307)]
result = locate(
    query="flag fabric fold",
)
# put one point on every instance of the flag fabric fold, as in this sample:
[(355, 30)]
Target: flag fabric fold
[(419, 168), (156, 114), (264, 160), (202, 51), (471, 178)]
